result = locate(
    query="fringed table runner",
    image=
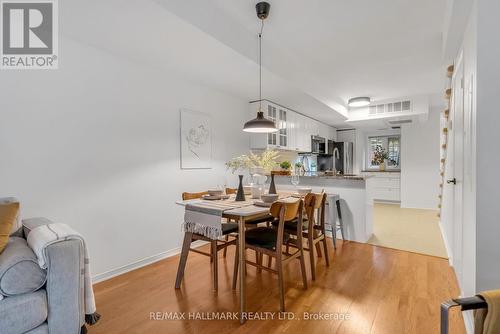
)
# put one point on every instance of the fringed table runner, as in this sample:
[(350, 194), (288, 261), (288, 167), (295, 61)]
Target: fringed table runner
[(205, 217)]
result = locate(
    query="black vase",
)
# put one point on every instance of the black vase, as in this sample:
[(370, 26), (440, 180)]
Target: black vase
[(272, 187), (240, 195)]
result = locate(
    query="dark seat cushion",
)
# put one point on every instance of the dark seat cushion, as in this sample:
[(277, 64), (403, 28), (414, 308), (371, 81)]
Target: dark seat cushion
[(229, 228), (291, 226), (256, 221), (264, 237)]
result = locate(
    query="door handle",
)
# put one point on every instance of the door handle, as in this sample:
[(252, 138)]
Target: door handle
[(454, 181)]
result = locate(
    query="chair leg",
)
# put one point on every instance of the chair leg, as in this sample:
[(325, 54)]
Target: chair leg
[(281, 283), (326, 252), (303, 268), (258, 260), (311, 257), (214, 262), (334, 235), (318, 249), (225, 248), (183, 259), (341, 221), (235, 269)]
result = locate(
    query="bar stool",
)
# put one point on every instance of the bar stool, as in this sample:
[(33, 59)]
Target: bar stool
[(340, 226)]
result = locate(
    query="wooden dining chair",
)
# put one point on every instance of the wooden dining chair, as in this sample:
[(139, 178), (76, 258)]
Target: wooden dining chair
[(215, 245), (315, 205), (270, 241), (313, 228)]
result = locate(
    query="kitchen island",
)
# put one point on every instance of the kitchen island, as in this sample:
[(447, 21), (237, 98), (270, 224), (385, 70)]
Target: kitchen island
[(356, 200)]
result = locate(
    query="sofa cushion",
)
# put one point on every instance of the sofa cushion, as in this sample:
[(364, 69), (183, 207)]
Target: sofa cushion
[(17, 224), (8, 216), (22, 313), (19, 269)]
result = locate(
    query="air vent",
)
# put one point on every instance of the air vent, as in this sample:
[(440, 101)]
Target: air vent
[(394, 107), (403, 121)]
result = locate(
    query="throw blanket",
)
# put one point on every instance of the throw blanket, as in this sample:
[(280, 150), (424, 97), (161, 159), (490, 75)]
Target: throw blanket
[(45, 235), (205, 217), (487, 321), (203, 220)]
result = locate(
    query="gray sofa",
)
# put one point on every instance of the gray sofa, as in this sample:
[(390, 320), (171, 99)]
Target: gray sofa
[(41, 301)]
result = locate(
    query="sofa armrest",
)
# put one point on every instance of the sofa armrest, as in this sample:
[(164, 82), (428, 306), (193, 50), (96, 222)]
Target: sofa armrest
[(65, 284), (65, 287)]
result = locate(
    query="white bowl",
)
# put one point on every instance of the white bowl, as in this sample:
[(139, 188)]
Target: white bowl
[(215, 192), (269, 198), (304, 191)]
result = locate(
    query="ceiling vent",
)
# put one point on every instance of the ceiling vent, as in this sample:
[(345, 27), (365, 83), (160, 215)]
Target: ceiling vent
[(389, 108), (403, 121)]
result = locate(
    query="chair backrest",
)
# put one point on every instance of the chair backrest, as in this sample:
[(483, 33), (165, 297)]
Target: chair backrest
[(230, 191), (186, 196), (313, 203), (286, 212)]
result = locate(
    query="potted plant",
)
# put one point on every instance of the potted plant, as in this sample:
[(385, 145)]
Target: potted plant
[(284, 168), (380, 155)]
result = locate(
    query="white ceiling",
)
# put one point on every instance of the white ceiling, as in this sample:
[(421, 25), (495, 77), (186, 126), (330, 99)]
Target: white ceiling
[(317, 53)]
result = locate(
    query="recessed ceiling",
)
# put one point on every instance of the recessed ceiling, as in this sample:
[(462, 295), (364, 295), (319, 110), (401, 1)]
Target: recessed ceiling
[(317, 53), (335, 49)]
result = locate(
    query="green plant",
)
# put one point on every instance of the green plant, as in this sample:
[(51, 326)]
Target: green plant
[(299, 164), (285, 165), (265, 160), (380, 155)]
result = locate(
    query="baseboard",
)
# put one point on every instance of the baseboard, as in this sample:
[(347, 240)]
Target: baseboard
[(446, 245), (141, 263)]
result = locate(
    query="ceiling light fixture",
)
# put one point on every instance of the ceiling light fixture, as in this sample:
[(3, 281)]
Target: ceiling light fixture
[(359, 102), (260, 124)]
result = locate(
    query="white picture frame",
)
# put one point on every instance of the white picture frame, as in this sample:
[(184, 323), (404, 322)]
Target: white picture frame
[(195, 139)]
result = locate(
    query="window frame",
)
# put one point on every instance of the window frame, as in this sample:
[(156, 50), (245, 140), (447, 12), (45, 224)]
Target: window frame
[(385, 144)]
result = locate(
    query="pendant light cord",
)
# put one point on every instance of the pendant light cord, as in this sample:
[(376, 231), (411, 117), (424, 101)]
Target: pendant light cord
[(260, 64)]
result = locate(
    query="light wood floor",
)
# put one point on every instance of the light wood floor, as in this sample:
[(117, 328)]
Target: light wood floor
[(382, 291), (413, 230)]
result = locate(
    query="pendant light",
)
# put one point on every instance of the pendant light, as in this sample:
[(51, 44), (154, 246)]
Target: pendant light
[(260, 124)]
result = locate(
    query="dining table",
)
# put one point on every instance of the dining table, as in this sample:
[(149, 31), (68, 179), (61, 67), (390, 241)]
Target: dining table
[(248, 211)]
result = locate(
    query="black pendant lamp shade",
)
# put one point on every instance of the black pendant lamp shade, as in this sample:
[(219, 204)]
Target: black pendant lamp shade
[(260, 124)]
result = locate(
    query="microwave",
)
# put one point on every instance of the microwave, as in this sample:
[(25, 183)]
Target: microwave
[(318, 145)]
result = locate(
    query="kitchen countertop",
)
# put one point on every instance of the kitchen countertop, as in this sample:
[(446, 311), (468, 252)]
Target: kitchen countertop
[(381, 171), (334, 177)]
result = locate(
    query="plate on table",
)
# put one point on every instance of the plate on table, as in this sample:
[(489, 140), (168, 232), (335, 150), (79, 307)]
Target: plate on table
[(215, 197), (264, 204)]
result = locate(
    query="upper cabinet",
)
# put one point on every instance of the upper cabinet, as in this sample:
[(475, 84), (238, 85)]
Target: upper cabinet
[(295, 130)]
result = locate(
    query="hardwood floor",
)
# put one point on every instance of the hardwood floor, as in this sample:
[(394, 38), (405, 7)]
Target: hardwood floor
[(377, 290)]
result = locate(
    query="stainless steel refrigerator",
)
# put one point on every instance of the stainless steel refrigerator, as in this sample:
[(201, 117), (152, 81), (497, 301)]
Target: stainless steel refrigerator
[(343, 157)]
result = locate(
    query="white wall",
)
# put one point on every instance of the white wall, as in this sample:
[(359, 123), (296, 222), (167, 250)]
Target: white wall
[(420, 163), (95, 145), (487, 146)]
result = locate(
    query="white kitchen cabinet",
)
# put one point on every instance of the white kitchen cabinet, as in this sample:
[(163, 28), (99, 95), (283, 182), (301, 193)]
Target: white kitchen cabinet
[(302, 133), (295, 130), (276, 140), (386, 186)]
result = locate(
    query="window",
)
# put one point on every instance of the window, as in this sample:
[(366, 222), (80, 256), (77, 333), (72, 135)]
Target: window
[(390, 144)]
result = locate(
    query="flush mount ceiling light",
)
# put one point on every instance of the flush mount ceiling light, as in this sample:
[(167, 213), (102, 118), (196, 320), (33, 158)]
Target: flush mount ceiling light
[(359, 101), (260, 124)]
